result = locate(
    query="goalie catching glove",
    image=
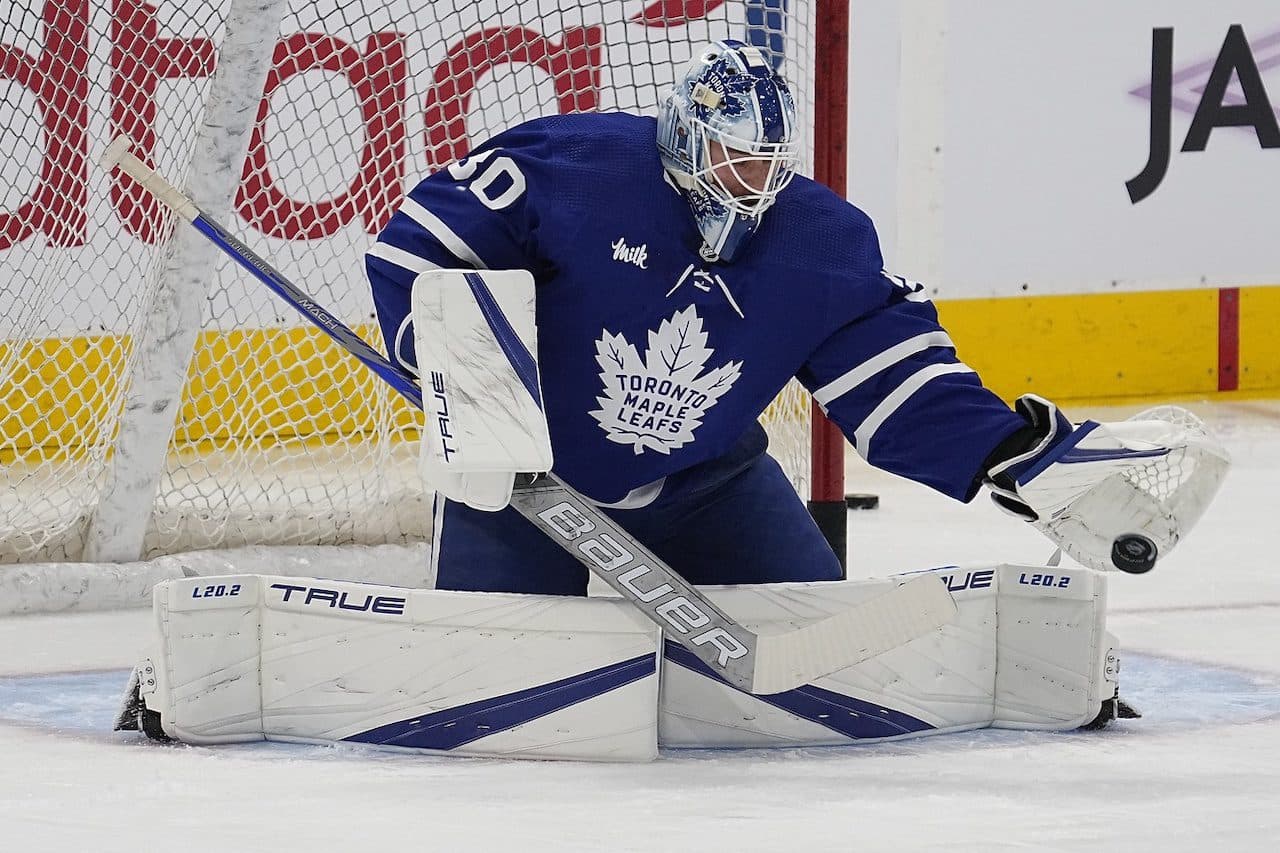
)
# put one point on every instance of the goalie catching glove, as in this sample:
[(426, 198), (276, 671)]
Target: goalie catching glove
[(1111, 495), (477, 345)]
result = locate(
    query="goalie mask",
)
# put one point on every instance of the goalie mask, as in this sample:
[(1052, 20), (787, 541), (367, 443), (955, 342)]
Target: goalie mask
[(726, 136)]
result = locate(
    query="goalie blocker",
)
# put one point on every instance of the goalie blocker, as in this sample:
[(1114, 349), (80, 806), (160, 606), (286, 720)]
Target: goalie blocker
[(250, 658), (476, 344)]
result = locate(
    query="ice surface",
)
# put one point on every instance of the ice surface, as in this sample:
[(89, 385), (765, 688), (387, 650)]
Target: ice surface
[(1201, 770)]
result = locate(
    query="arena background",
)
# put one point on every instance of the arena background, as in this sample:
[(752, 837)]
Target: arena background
[(992, 142)]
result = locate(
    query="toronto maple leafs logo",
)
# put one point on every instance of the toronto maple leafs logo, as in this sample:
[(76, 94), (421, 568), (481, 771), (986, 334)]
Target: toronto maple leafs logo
[(733, 87), (656, 403)]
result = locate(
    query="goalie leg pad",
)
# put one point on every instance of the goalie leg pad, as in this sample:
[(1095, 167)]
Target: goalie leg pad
[(304, 660), (203, 675), (494, 674), (1027, 649)]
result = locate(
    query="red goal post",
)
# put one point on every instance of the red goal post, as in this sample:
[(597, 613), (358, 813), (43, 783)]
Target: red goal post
[(151, 400)]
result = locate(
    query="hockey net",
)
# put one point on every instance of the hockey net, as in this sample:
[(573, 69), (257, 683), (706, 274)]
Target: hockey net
[(138, 419)]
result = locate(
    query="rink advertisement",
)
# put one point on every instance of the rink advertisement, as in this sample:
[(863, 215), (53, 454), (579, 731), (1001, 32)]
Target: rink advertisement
[(1096, 197), (355, 108), (1214, 107), (1050, 165), (1065, 156)]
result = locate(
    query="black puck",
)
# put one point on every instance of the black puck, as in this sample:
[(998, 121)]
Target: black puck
[(861, 501), (1133, 553)]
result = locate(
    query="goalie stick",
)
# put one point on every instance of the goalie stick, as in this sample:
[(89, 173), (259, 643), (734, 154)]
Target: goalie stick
[(754, 662)]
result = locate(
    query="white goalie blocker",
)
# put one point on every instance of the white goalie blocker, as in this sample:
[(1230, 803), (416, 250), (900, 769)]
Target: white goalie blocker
[(477, 344), (523, 676)]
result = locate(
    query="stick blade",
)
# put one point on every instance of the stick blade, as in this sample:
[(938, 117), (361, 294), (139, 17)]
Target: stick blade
[(791, 659)]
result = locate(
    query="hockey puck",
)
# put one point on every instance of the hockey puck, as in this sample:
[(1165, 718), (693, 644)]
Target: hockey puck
[(861, 501), (1133, 553)]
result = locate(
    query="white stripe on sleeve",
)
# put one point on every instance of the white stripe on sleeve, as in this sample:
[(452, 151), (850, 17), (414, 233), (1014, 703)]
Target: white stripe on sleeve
[(401, 258), (890, 404), (894, 354), (436, 228)]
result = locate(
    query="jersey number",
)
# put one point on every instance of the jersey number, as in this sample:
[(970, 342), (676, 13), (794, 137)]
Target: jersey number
[(482, 186)]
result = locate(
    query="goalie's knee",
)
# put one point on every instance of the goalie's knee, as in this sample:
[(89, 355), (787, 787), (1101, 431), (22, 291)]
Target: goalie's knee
[(501, 551)]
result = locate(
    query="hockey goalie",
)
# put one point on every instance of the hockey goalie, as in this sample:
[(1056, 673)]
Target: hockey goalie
[(574, 298)]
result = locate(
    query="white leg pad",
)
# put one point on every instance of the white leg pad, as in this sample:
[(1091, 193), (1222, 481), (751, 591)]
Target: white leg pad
[(306, 660), (1027, 649), (251, 658), (207, 661)]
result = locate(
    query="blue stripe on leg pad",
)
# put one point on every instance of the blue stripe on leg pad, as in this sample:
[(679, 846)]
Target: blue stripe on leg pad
[(854, 718), (455, 727)]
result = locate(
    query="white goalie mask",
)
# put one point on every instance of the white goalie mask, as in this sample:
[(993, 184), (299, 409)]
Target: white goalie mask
[(726, 135)]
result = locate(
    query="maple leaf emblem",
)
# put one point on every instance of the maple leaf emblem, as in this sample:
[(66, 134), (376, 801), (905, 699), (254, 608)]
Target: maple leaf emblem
[(733, 86), (656, 402)]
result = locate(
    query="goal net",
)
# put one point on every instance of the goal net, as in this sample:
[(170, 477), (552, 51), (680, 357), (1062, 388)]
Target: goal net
[(153, 398)]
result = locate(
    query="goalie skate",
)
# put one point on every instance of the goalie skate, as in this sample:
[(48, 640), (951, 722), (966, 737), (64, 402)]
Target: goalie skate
[(134, 715)]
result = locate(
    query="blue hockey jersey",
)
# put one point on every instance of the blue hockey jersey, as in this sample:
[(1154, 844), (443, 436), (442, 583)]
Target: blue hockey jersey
[(654, 360)]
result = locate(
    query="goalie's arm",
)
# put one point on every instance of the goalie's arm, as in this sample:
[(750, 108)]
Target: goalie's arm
[(890, 378), (1110, 495)]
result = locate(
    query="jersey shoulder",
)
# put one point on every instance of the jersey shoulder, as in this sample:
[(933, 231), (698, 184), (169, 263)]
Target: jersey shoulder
[(824, 232), (597, 143), (579, 161)]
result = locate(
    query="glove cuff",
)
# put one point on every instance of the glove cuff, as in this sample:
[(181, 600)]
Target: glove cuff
[(1008, 502), (1046, 426)]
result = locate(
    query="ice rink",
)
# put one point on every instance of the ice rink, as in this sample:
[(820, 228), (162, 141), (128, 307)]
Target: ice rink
[(1201, 770)]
